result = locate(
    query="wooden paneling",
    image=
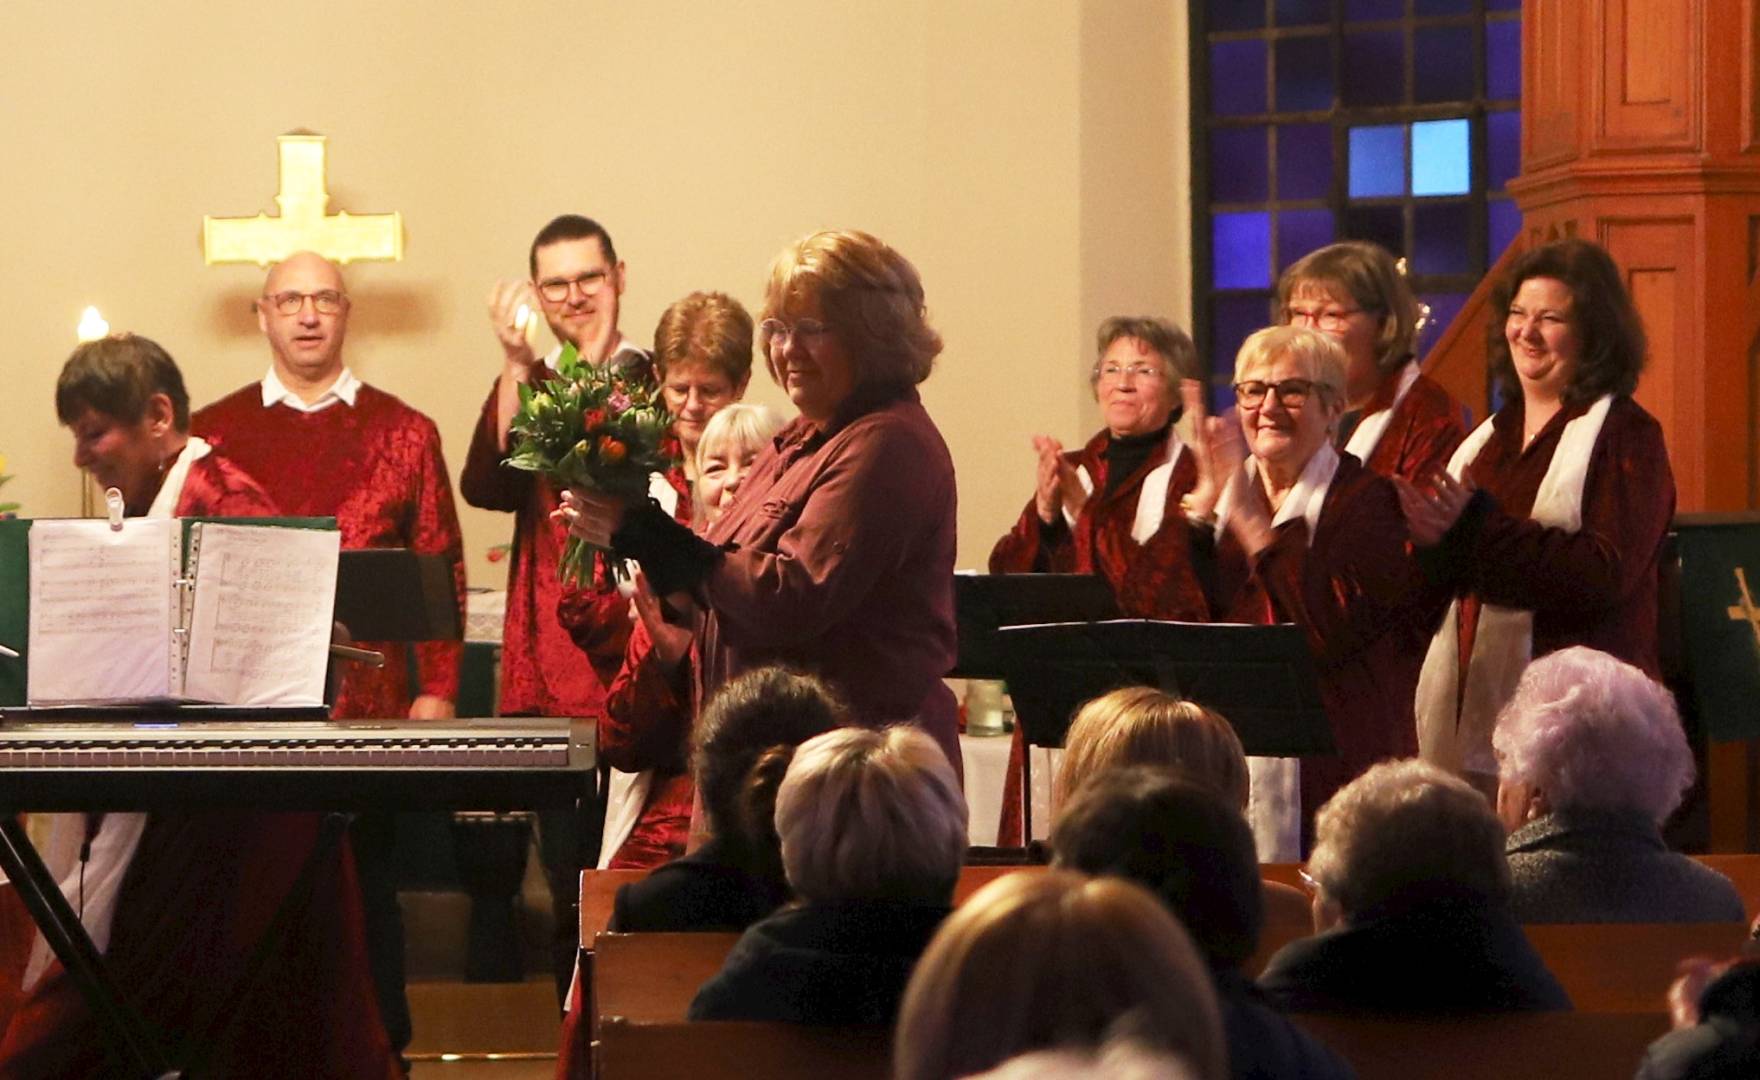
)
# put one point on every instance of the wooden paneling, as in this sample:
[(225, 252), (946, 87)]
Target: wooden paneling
[(1648, 75), (1552, 65), (1660, 264)]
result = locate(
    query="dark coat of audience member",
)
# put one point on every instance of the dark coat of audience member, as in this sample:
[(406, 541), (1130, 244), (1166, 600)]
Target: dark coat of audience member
[(1193, 850), (1584, 866), (713, 889), (1724, 1044), (1409, 867)]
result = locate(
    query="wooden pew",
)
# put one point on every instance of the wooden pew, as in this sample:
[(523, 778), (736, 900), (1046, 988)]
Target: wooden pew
[(598, 893), (1744, 871), (1626, 967), (1558, 1046), (651, 978), (737, 1051)]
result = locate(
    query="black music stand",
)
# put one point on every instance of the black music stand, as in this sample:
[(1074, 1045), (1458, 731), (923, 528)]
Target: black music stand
[(1260, 678), (984, 603), (394, 594)]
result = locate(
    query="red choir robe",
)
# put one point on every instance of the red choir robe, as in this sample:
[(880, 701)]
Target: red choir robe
[(1596, 586), (1152, 580), (1359, 597), (1426, 425), (645, 724), (195, 900), (376, 467)]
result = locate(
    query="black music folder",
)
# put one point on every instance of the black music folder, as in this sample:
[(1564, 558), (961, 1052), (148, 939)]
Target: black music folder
[(1260, 678), (983, 603), (394, 594)]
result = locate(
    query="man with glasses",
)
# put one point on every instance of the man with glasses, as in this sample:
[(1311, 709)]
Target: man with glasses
[(576, 284), (325, 444)]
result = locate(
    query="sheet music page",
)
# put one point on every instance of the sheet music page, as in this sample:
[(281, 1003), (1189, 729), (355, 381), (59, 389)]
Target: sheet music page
[(102, 610), (259, 629)]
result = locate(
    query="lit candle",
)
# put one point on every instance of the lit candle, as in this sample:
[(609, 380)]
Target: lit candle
[(523, 319), (92, 325)]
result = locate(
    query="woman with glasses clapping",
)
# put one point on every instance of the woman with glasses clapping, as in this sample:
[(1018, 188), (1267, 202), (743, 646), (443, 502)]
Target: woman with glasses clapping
[(1112, 507), (1306, 535)]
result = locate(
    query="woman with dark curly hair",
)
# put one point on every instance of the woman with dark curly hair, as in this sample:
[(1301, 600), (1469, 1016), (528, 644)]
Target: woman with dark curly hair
[(1548, 526)]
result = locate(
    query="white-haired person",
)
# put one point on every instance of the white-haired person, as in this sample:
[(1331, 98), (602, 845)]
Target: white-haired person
[(1050, 960), (645, 731), (1411, 905), (1307, 535), (873, 832), (1591, 760)]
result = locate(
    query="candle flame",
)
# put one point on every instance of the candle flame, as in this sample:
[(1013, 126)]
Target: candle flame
[(92, 325)]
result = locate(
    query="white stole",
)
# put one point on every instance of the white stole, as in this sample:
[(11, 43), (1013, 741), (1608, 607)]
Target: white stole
[(1455, 723), (1370, 428), (1151, 500), (119, 835), (1274, 799)]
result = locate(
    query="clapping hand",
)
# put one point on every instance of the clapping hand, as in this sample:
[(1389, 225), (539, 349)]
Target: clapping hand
[(505, 300), (671, 642), (1431, 512), (1059, 488)]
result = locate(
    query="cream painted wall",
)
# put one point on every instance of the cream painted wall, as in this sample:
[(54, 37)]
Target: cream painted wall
[(1029, 156)]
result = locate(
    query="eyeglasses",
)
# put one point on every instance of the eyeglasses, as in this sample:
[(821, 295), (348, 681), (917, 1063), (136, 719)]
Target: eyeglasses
[(324, 301), (556, 290), (1332, 318), (779, 333), (1309, 881), (1291, 393), (1118, 373)]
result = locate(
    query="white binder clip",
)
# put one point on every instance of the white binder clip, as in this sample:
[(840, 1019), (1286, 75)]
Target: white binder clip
[(113, 507)]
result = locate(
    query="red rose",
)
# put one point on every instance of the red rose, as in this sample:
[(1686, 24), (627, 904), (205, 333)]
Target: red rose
[(611, 451)]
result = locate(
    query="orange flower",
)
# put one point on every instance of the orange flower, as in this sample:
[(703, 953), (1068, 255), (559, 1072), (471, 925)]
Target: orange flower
[(611, 451)]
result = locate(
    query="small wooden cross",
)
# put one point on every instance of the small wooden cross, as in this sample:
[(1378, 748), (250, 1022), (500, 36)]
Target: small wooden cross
[(303, 224), (1745, 611)]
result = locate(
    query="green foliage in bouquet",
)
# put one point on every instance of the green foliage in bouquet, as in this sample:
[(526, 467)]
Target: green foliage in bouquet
[(591, 427)]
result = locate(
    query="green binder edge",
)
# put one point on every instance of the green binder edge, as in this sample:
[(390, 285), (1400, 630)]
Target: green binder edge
[(15, 591)]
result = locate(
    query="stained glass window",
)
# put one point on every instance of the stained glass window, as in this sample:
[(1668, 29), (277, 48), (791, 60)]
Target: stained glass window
[(1396, 121)]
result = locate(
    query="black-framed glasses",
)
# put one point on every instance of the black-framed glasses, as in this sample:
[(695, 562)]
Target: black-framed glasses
[(778, 333), (556, 290), (324, 301), (1290, 393)]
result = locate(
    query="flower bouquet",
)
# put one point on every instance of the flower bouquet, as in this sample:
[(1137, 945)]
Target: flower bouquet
[(596, 428)]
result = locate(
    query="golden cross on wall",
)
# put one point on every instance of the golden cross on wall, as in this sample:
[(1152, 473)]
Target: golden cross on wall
[(302, 224), (1745, 611)]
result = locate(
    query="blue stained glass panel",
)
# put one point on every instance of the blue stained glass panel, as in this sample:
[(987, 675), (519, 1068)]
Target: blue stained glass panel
[(1443, 309), (1374, 9), (1503, 222), (1503, 59), (1301, 12), (1441, 7), (1236, 15), (1240, 250), (1237, 77), (1301, 231), (1304, 161), (1377, 161), (1374, 68), (1304, 74), (1383, 224), (1503, 138), (1232, 318), (1441, 238), (1503, 5), (1239, 165), (1442, 63), (1441, 158)]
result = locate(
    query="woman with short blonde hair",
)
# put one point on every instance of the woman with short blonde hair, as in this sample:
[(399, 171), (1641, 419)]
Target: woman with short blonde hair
[(1041, 960), (1142, 725)]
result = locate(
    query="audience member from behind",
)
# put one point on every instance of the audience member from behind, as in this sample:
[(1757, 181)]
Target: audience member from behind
[(744, 742), (873, 832), (1117, 1059), (1192, 849), (1142, 725), (1715, 1009), (1412, 901), (1040, 961), (1591, 760)]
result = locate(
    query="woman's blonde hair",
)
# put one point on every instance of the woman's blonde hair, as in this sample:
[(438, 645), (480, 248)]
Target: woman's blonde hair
[(741, 425), (872, 815), (1141, 725), (1054, 958), (871, 296), (1322, 356)]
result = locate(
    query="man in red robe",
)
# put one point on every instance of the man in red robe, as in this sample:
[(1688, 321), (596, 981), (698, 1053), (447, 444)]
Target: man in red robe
[(576, 282), (323, 443)]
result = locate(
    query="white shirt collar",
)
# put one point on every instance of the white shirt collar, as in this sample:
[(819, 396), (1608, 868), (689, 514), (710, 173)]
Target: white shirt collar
[(344, 389)]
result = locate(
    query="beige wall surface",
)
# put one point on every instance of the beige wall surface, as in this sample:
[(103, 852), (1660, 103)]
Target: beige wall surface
[(1029, 156)]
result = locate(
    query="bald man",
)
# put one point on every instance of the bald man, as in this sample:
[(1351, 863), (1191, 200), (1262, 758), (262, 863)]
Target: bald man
[(325, 444)]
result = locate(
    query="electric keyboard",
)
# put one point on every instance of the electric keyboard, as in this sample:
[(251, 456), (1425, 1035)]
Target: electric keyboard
[(153, 763)]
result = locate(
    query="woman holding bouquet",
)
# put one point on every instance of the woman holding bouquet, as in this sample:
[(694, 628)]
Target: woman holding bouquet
[(838, 556)]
